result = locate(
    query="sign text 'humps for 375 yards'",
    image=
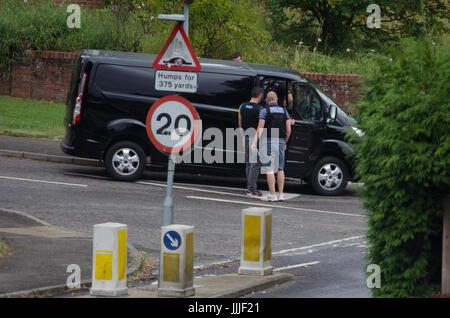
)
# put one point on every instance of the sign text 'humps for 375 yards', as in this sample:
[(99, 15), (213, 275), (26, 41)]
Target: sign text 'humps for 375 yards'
[(184, 82)]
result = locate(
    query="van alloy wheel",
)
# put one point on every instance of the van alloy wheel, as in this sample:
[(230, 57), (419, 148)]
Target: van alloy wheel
[(330, 176), (125, 161)]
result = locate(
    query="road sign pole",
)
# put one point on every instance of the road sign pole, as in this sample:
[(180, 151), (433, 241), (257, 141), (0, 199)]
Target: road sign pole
[(167, 218), (186, 19)]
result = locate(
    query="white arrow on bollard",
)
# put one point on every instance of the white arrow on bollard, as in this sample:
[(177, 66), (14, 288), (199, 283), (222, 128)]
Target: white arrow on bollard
[(173, 242)]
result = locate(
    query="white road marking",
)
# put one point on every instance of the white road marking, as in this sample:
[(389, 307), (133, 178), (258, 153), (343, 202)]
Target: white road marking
[(287, 195), (187, 186), (86, 175), (317, 245), (277, 206), (45, 181), (295, 266), (211, 186)]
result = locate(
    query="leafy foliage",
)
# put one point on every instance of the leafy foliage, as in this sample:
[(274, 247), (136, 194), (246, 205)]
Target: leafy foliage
[(130, 22), (404, 161), (341, 24), (220, 28)]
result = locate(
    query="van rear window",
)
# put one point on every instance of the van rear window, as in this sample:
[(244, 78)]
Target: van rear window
[(125, 79)]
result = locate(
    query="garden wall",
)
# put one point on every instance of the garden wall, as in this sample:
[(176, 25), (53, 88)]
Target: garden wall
[(46, 76)]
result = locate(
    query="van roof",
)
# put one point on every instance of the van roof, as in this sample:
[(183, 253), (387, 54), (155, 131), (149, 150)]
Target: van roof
[(212, 65)]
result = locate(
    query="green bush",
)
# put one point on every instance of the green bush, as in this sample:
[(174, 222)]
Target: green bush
[(404, 161), (43, 26)]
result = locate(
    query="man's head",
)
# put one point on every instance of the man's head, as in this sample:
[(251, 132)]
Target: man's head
[(257, 94), (271, 97), (237, 56)]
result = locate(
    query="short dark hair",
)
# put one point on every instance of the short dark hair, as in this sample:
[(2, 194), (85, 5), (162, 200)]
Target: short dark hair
[(257, 91), (236, 55)]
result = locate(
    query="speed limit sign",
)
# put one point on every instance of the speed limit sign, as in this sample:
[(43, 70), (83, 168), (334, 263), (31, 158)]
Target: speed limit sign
[(172, 124)]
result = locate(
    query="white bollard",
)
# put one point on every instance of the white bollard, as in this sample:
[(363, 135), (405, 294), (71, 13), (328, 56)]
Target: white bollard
[(109, 270), (256, 245), (176, 263)]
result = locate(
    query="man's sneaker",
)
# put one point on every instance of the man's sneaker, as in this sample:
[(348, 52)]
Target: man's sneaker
[(281, 197), (257, 193), (270, 198), (253, 193)]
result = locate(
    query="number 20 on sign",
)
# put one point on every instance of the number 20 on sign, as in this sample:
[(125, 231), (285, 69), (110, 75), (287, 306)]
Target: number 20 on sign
[(172, 124)]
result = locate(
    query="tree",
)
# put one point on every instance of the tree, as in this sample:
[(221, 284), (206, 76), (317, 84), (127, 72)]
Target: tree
[(342, 24), (130, 21), (220, 28)]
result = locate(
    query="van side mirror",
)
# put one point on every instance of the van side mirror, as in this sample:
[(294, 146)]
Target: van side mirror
[(332, 114)]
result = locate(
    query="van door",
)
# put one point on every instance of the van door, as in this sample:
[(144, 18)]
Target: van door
[(307, 132)]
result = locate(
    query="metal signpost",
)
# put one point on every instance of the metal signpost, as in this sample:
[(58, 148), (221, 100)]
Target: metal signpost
[(173, 126), (176, 55)]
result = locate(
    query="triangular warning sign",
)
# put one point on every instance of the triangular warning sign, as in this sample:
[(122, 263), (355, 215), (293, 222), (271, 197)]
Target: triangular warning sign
[(177, 54)]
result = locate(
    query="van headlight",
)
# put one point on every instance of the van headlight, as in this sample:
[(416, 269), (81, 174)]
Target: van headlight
[(359, 132)]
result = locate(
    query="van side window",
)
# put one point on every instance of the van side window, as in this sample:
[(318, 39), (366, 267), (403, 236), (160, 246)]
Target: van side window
[(307, 105), (226, 90)]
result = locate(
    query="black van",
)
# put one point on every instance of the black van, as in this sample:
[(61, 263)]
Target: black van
[(111, 93)]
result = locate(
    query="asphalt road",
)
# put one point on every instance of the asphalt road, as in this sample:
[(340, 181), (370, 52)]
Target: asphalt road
[(324, 231)]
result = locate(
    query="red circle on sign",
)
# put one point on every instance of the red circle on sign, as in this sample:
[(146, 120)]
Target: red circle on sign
[(192, 110)]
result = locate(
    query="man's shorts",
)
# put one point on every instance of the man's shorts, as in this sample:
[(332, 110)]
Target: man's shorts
[(272, 155)]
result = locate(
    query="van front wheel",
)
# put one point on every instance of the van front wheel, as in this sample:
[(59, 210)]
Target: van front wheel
[(330, 176), (125, 161)]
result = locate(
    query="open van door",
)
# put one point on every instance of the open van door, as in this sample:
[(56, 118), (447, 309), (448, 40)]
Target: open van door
[(307, 132)]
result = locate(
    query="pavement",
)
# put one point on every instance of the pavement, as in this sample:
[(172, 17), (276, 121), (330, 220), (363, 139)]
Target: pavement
[(39, 253), (39, 149)]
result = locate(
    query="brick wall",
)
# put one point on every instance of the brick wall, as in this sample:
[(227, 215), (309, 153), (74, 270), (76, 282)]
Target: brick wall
[(5, 83), (40, 75), (46, 76), (345, 89)]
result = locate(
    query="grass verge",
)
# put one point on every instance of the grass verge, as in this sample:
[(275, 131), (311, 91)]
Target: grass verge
[(29, 118), (3, 248)]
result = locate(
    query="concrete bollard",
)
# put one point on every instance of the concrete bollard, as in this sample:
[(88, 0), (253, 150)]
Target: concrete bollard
[(109, 270), (176, 263), (256, 245)]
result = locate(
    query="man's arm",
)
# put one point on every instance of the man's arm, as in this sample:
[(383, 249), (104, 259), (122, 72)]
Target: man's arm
[(288, 130), (258, 134), (240, 121)]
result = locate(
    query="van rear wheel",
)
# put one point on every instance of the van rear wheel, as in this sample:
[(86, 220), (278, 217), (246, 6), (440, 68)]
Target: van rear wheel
[(330, 176), (125, 161)]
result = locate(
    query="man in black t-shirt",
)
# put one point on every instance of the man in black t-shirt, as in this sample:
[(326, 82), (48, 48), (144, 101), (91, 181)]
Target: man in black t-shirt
[(248, 118)]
